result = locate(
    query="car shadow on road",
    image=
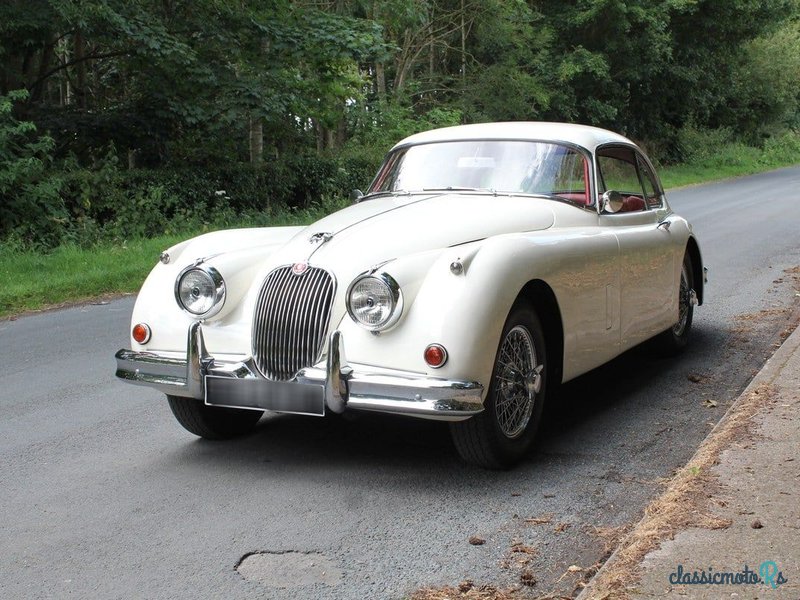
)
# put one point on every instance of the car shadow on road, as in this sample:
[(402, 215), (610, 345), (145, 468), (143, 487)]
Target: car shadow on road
[(635, 373), (423, 447)]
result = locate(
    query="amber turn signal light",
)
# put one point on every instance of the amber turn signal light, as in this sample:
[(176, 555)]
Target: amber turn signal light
[(141, 333)]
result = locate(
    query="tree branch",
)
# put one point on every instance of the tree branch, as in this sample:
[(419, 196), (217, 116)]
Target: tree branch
[(73, 62)]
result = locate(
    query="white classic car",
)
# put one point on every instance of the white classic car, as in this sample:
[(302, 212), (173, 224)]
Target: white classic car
[(485, 264)]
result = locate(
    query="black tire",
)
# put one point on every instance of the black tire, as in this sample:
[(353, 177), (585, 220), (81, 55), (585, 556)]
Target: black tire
[(676, 338), (502, 434), (212, 422)]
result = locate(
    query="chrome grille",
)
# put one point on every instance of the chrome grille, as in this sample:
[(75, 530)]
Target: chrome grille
[(290, 321)]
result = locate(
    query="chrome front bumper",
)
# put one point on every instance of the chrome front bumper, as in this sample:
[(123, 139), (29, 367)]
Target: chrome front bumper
[(337, 386)]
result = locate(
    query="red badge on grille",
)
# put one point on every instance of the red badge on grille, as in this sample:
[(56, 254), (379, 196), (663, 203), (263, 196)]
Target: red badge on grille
[(299, 268)]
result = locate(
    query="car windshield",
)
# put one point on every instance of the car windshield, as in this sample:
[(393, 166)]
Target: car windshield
[(498, 166)]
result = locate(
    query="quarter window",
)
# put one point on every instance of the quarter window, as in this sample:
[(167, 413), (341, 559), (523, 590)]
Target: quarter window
[(652, 196)]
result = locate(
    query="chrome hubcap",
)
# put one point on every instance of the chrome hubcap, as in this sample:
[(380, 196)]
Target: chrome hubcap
[(517, 381)]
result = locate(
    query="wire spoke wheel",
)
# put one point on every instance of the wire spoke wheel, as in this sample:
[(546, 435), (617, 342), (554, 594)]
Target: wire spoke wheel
[(517, 381), (676, 338), (501, 435), (684, 303)]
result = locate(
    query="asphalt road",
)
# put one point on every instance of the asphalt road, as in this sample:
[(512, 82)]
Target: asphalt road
[(105, 496)]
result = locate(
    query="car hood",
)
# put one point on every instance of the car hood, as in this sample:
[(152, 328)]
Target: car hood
[(384, 228)]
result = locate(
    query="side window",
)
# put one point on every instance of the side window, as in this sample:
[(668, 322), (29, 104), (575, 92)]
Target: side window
[(652, 195), (618, 171)]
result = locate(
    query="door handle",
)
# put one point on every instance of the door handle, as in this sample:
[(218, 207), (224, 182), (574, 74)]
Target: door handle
[(664, 225)]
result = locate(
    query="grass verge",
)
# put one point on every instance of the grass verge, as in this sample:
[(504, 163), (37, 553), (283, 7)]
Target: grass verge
[(34, 280), (677, 176)]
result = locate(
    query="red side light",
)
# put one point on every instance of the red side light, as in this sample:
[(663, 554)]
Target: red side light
[(435, 355), (141, 333)]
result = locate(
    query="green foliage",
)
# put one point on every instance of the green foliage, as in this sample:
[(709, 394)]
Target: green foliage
[(377, 128), (107, 203), (765, 95), (717, 154), (30, 200), (508, 79), (33, 279)]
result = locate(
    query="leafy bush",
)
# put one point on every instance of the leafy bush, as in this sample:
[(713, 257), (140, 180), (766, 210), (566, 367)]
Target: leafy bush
[(31, 205), (77, 205)]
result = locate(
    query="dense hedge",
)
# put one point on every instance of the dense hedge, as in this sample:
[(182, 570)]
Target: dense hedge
[(107, 202)]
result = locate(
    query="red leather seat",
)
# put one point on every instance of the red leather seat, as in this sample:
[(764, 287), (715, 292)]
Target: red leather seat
[(632, 204)]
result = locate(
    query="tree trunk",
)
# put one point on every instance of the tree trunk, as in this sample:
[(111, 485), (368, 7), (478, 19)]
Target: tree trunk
[(320, 133), (256, 140), (80, 67), (463, 44), (37, 93), (380, 81)]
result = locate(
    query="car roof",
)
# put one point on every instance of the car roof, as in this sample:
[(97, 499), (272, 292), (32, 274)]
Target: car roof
[(579, 135)]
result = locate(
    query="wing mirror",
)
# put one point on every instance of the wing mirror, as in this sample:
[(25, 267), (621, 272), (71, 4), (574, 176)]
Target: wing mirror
[(611, 201), (356, 196)]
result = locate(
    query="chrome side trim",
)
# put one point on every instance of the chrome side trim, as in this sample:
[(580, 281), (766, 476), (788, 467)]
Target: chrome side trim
[(346, 386)]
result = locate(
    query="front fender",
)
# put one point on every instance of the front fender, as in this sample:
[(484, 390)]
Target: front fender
[(466, 312), (237, 255)]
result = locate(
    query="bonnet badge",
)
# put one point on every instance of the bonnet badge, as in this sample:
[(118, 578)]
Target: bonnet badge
[(299, 268), (320, 237)]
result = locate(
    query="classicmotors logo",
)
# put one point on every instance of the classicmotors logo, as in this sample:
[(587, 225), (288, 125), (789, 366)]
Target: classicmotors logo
[(768, 574)]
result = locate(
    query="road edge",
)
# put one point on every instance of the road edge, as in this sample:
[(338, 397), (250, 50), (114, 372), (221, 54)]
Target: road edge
[(621, 569)]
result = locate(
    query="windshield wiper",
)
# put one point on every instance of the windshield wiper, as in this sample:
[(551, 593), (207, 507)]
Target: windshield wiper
[(372, 195), (452, 188)]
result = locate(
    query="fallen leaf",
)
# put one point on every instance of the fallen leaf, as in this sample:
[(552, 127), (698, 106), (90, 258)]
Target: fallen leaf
[(465, 586), (710, 403), (477, 541), (523, 548), (756, 524), (561, 527), (694, 378), (574, 569), (543, 520), (528, 578)]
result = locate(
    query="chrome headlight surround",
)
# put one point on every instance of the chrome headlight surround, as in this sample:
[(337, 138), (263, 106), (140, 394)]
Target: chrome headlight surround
[(389, 299), (214, 285)]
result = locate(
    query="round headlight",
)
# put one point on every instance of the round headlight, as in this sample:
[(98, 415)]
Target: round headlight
[(374, 301), (200, 291)]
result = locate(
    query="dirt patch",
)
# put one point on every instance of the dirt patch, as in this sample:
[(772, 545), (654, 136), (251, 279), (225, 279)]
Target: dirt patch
[(610, 537), (467, 590), (748, 322), (687, 502)]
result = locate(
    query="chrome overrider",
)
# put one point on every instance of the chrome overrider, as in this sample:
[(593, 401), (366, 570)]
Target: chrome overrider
[(342, 386)]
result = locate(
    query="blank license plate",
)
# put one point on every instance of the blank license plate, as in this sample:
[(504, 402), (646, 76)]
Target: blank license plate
[(278, 396)]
